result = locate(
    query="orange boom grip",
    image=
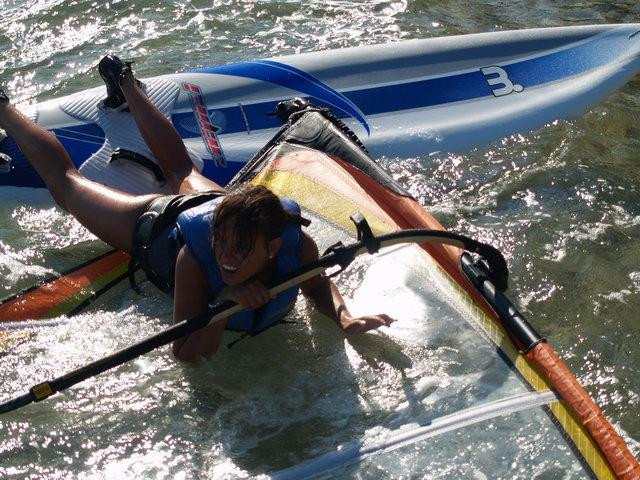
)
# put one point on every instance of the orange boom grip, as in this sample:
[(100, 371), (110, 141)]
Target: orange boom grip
[(622, 462)]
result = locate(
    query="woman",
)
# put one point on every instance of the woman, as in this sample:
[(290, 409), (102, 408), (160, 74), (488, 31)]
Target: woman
[(221, 246)]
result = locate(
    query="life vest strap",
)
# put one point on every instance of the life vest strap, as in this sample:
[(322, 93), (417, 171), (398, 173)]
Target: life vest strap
[(160, 214)]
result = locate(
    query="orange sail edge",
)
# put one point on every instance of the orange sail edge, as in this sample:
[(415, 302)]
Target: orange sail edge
[(614, 449), (62, 294), (408, 214)]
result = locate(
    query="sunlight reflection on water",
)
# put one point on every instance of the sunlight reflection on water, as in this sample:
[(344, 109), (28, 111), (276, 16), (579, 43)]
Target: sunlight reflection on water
[(562, 203)]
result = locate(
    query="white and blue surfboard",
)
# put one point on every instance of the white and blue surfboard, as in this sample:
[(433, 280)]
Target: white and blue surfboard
[(402, 99)]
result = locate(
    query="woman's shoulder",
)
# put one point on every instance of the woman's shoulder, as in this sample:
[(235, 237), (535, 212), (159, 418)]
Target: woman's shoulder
[(291, 206), (194, 226), (195, 223)]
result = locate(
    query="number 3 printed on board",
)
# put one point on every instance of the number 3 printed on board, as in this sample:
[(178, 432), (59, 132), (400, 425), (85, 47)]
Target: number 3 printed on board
[(498, 76)]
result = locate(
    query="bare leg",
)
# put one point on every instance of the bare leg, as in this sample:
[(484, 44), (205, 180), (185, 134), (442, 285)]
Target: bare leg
[(165, 142), (108, 213)]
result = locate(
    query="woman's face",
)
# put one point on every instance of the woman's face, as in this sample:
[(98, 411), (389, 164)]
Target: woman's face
[(237, 264)]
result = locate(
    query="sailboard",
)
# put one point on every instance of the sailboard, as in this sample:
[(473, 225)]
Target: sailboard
[(402, 99), (316, 161)]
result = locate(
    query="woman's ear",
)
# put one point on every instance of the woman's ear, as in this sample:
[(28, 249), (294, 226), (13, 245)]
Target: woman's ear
[(274, 246)]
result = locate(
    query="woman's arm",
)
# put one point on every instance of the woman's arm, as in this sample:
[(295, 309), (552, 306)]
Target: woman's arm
[(190, 298), (328, 300)]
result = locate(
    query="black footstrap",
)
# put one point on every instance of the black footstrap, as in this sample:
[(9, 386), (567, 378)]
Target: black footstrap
[(120, 154)]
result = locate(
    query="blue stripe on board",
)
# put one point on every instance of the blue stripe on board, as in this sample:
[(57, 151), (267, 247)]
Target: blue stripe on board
[(468, 86), (81, 141), (221, 175), (22, 173), (293, 78)]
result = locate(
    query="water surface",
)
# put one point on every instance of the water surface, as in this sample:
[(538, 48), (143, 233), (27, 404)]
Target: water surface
[(562, 203)]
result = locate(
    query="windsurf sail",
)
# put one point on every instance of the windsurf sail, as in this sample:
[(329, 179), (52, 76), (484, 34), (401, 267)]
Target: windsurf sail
[(315, 160), (403, 99)]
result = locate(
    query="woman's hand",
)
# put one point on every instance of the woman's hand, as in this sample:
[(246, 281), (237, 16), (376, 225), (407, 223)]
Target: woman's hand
[(328, 300), (365, 323), (251, 294)]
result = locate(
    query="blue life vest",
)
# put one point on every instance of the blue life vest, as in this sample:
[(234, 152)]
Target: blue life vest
[(195, 229)]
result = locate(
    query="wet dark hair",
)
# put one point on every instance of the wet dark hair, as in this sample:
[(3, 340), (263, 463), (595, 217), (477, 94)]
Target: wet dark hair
[(252, 210)]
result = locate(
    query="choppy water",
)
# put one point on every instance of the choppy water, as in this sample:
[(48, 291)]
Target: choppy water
[(563, 204)]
